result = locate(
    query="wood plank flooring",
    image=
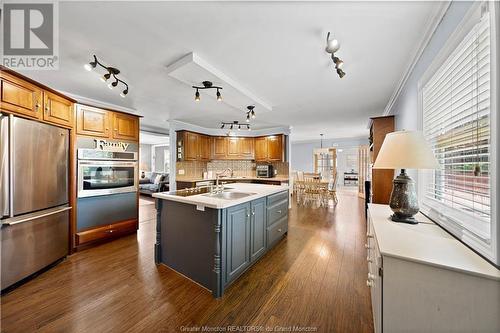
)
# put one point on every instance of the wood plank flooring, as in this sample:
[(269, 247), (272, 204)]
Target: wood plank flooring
[(315, 278)]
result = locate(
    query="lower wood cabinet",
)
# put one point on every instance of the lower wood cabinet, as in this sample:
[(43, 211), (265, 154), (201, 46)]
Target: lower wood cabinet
[(106, 232)]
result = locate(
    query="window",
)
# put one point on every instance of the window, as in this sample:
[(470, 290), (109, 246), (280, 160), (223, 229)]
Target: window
[(457, 120), (160, 155)]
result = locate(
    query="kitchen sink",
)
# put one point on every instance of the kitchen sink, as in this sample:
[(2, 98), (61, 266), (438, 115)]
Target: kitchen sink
[(229, 195)]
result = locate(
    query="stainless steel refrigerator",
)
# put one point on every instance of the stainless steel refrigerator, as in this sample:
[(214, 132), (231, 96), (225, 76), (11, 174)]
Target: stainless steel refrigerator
[(34, 211)]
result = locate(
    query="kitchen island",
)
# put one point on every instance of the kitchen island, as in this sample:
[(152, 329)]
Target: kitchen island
[(214, 238)]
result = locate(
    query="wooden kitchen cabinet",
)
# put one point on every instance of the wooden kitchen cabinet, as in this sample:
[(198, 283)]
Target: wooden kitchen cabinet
[(20, 96), (92, 121), (219, 148), (233, 148), (57, 110), (96, 122), (246, 148), (194, 146), (204, 147), (125, 127), (269, 148)]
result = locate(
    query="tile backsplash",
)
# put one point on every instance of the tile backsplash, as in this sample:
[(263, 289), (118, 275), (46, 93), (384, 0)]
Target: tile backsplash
[(241, 168)]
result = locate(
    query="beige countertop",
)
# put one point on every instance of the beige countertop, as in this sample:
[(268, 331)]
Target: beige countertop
[(206, 200), (200, 179), (426, 243)]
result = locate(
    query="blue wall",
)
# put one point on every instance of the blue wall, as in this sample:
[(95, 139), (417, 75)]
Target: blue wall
[(405, 107), (302, 152)]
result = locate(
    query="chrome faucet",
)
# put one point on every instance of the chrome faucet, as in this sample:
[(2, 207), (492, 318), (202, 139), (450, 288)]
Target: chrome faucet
[(217, 176)]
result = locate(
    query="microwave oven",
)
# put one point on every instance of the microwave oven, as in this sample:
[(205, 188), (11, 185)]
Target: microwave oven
[(265, 171)]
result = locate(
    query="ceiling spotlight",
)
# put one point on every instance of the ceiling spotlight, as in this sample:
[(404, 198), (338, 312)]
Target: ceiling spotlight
[(340, 72), (124, 93), (91, 65), (197, 96), (105, 77), (332, 45), (253, 114), (338, 62), (208, 85), (248, 118)]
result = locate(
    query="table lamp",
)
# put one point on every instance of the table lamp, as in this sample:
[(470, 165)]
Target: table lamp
[(405, 150)]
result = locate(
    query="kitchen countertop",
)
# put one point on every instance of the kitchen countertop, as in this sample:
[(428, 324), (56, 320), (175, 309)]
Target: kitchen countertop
[(203, 200), (200, 179), (426, 243)]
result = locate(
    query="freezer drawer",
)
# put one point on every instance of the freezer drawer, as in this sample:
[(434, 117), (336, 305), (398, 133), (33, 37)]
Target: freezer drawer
[(33, 242)]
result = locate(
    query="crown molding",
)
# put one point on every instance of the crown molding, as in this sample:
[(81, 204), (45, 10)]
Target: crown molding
[(431, 29), (99, 104)]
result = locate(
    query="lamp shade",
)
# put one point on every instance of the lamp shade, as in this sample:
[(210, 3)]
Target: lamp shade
[(405, 150)]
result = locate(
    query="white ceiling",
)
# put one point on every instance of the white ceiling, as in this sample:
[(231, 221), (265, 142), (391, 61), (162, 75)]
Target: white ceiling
[(274, 49)]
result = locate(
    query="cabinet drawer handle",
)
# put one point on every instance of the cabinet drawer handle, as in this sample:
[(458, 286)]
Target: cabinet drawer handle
[(369, 283), (279, 211)]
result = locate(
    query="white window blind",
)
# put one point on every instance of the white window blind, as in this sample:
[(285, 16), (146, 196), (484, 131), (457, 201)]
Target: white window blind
[(456, 123)]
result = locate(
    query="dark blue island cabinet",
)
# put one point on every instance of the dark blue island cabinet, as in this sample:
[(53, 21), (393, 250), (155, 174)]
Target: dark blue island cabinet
[(213, 247)]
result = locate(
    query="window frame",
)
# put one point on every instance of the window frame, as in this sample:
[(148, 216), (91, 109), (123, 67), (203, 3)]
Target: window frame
[(492, 252)]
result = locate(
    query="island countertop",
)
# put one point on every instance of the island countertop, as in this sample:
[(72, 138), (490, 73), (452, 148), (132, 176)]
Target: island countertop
[(204, 200)]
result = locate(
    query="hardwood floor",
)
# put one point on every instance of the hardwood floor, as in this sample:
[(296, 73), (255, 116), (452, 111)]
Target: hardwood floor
[(315, 278)]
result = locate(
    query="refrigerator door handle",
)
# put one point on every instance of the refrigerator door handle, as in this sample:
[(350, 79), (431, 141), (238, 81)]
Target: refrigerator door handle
[(11, 167), (5, 167), (35, 216)]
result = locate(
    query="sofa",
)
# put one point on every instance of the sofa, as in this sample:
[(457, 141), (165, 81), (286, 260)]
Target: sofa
[(148, 186)]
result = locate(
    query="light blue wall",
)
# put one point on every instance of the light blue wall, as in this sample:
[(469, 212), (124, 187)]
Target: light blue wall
[(405, 107), (302, 152)]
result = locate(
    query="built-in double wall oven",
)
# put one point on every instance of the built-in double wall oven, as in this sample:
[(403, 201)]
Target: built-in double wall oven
[(106, 172)]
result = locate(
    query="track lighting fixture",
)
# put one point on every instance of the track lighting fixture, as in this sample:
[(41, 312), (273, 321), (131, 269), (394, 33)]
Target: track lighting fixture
[(207, 85), (332, 46), (111, 72), (250, 112), (235, 124)]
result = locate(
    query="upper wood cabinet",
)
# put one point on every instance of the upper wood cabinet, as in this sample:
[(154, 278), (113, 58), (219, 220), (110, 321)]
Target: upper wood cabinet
[(20, 96), (219, 148), (194, 146), (97, 122), (92, 121), (57, 110), (23, 97), (269, 148), (125, 127)]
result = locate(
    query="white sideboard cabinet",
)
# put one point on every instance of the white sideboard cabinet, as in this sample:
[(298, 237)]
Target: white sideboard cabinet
[(424, 280)]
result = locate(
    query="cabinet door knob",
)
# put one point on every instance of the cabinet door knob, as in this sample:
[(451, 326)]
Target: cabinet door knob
[(279, 211), (253, 213), (371, 277), (37, 105), (368, 259), (367, 246), (369, 235), (279, 230), (369, 283), (248, 215)]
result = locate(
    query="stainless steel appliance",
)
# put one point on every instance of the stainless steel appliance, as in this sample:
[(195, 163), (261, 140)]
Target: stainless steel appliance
[(34, 161), (265, 171), (106, 172)]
